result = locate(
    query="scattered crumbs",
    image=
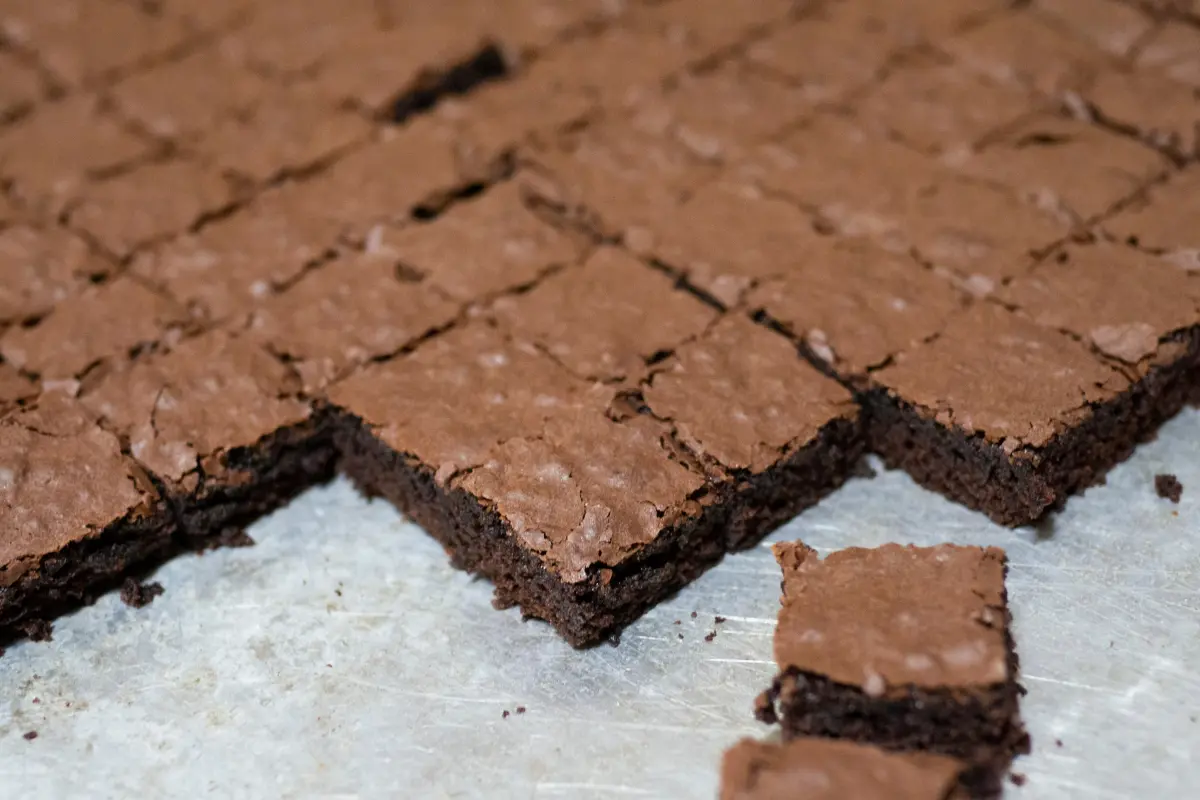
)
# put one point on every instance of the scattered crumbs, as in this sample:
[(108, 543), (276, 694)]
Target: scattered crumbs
[(1058, 742), (693, 615), (718, 620), (505, 714), (678, 622), (36, 700), (30, 736), (338, 592), (1017, 779), (139, 595), (520, 709), (681, 636), (1168, 487), (1174, 513), (329, 665), (615, 640), (708, 637)]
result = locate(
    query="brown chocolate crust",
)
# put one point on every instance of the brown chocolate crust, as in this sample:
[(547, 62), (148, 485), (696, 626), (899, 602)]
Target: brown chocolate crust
[(1019, 489), (607, 600)]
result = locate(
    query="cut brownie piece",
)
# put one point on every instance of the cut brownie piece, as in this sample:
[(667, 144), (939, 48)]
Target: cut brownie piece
[(358, 307), (77, 514), (40, 266), (1079, 170), (1005, 416), (582, 517), (592, 319), (775, 435), (822, 769), (214, 421), (482, 247), (853, 307), (868, 652), (92, 329)]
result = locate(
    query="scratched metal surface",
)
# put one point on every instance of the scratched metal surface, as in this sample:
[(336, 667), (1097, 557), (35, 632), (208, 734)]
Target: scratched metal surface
[(343, 657)]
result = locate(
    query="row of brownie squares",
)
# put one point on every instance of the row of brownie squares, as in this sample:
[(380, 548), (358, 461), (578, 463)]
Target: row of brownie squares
[(898, 679)]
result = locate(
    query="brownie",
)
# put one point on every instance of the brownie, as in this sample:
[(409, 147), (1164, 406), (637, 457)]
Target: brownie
[(1079, 170), (825, 769), (582, 510), (358, 307), (41, 266), (609, 292), (867, 653), (853, 307), (1008, 417), (78, 513), (219, 470), (1168, 487), (88, 332), (482, 247)]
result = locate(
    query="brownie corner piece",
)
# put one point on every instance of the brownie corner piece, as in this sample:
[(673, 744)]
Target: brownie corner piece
[(822, 769), (1006, 416), (868, 653), (77, 513)]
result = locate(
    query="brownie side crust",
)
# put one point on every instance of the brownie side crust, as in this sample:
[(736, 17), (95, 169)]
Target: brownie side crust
[(1018, 489)]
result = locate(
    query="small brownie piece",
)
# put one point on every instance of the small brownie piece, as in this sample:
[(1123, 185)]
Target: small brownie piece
[(823, 769), (1168, 487), (77, 513), (1005, 416), (360, 306), (774, 434), (592, 318), (214, 421), (904, 647)]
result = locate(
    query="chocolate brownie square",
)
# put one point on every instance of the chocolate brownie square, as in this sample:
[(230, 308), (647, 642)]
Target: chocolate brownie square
[(50, 155), (78, 513), (41, 266), (234, 263), (484, 246), (93, 330), (868, 653), (853, 307), (1003, 415), (774, 435), (290, 131), (358, 307), (216, 423), (825, 769), (151, 203), (592, 319), (1081, 171)]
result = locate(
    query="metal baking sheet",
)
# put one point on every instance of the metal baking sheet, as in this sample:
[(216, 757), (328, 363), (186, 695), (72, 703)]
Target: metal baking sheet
[(343, 657)]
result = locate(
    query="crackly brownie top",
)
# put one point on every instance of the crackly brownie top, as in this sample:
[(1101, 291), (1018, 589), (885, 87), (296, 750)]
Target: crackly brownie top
[(894, 616), (741, 396), (994, 373), (1122, 302), (604, 319), (1164, 220), (826, 769), (174, 407), (41, 266), (62, 478)]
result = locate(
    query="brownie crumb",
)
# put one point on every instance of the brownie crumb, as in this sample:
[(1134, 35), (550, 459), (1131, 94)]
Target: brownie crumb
[(36, 700), (139, 595), (678, 622), (520, 709), (693, 615), (764, 709), (1058, 742), (505, 714), (1168, 487), (30, 736), (1017, 779), (614, 640), (681, 636), (718, 620), (708, 637), (38, 630)]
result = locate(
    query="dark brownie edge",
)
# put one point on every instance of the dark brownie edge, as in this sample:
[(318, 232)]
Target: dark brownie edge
[(479, 541), (1019, 490), (282, 465)]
